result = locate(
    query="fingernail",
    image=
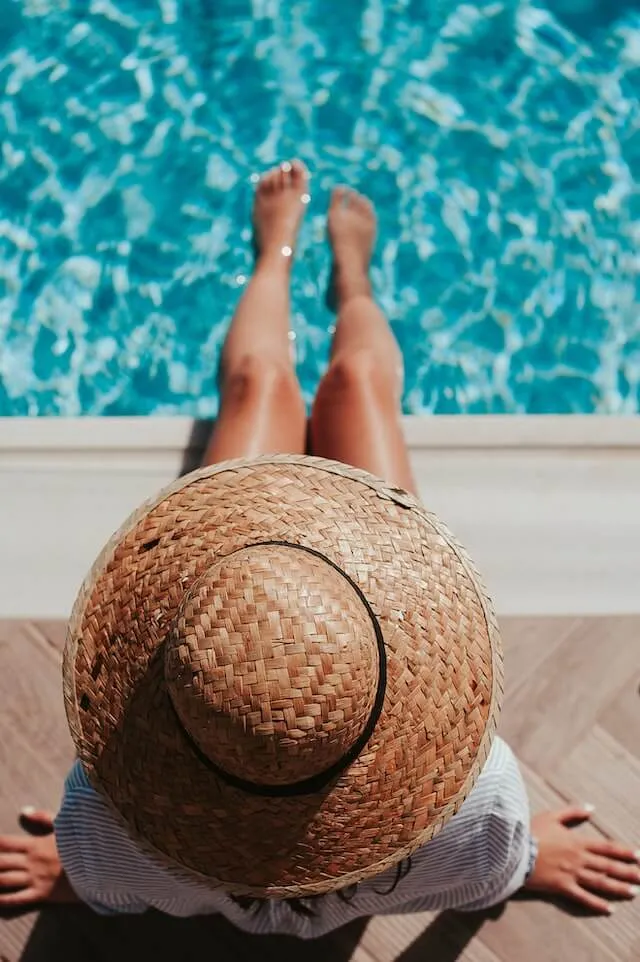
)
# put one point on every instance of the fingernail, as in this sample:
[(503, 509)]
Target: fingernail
[(27, 810), (634, 890), (588, 807), (611, 909), (636, 855)]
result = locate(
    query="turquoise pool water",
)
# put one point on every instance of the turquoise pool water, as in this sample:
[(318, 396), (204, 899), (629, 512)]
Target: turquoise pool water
[(500, 141)]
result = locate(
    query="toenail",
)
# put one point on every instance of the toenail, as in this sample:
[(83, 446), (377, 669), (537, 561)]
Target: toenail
[(306, 198), (634, 890), (27, 810), (285, 167), (286, 251), (254, 178)]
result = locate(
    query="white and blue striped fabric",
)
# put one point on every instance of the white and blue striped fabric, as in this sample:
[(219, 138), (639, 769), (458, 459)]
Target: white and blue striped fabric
[(481, 857)]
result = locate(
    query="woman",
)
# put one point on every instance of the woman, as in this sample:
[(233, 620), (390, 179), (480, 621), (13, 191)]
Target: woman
[(473, 844)]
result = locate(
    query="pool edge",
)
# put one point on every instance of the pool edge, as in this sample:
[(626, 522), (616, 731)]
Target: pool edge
[(549, 507), (449, 431)]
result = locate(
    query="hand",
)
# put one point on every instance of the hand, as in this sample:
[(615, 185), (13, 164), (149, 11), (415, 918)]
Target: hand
[(577, 867), (30, 869)]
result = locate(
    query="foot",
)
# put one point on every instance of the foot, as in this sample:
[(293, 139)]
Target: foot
[(30, 868), (279, 204), (352, 232), (578, 867)]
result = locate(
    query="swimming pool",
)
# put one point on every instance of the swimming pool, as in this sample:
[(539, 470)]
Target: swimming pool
[(500, 141)]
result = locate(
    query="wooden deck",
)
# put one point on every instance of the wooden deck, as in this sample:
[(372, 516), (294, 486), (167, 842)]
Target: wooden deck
[(572, 715)]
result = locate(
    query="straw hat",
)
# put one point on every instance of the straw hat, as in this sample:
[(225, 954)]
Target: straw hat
[(283, 675)]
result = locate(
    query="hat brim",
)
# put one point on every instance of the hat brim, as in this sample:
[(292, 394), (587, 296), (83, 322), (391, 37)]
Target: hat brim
[(443, 694)]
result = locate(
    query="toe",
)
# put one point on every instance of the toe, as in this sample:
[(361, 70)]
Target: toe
[(285, 172), (299, 175), (338, 197), (269, 180), (361, 203)]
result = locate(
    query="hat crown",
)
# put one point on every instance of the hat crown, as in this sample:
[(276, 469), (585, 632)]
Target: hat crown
[(273, 665)]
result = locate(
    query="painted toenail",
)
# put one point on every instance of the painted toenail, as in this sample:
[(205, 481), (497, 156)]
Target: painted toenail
[(306, 198), (254, 178), (286, 251), (285, 167)]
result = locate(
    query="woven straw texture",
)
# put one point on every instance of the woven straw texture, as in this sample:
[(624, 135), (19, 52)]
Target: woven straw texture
[(282, 622)]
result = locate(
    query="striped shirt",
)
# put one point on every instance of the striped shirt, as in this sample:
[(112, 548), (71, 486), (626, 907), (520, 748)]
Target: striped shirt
[(481, 857)]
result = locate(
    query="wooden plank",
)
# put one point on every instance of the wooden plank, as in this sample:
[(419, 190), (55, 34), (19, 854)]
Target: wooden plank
[(615, 936), (14, 936), (545, 661), (557, 705), (621, 717), (25, 780), (447, 937), (601, 771), (31, 699), (528, 642), (52, 633), (35, 748), (535, 931), (391, 936)]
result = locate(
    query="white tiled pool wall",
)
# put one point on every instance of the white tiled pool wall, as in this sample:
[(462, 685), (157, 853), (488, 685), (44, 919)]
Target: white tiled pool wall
[(548, 507)]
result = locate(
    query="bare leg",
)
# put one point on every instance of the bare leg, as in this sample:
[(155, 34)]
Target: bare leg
[(356, 415), (355, 419), (261, 407)]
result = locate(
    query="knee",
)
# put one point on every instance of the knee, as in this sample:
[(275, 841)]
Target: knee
[(357, 374), (254, 379)]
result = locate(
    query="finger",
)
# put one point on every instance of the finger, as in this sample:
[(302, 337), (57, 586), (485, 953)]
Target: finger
[(597, 882), (13, 843), (589, 899), (613, 850), (574, 813), (36, 821), (37, 814), (14, 860), (23, 897), (14, 880), (624, 871)]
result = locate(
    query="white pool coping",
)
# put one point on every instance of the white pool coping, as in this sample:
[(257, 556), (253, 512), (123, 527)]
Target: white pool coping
[(549, 507)]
